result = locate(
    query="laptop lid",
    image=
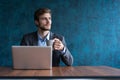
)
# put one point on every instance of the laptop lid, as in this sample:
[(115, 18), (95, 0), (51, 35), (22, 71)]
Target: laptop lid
[(32, 57)]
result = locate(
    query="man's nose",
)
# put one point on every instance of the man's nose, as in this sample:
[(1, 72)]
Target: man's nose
[(48, 21)]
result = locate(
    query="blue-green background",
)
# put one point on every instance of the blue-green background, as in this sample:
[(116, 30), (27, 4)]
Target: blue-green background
[(91, 28)]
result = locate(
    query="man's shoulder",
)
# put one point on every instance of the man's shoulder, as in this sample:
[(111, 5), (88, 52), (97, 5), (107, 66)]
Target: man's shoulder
[(55, 35), (31, 34)]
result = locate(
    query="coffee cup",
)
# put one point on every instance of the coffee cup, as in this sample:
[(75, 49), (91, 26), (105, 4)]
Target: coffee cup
[(49, 42)]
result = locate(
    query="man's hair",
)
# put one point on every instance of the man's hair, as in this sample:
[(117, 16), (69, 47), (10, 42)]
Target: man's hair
[(40, 12)]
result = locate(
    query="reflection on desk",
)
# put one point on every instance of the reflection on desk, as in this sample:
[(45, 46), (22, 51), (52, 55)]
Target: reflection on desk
[(77, 71)]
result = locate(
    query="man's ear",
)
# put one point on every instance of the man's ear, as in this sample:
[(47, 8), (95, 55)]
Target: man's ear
[(36, 22)]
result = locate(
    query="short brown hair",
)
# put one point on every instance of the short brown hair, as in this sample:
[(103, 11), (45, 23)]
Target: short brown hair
[(41, 11)]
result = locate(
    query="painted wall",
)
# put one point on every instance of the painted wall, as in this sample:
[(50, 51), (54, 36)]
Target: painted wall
[(91, 28)]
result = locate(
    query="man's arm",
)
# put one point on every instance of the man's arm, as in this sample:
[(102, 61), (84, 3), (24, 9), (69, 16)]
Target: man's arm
[(60, 45), (23, 41), (67, 58)]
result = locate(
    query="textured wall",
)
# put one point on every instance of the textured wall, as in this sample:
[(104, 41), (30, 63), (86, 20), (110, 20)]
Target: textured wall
[(91, 28)]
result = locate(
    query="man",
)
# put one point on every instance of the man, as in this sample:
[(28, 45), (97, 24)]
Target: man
[(42, 18)]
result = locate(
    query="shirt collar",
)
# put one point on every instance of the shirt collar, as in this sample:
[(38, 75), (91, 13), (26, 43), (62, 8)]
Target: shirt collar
[(46, 38)]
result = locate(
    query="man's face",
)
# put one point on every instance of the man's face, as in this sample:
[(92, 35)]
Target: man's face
[(44, 22)]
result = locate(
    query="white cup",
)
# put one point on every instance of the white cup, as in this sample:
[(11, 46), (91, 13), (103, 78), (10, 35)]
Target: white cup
[(49, 42)]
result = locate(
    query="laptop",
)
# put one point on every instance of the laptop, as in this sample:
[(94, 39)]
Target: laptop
[(32, 57)]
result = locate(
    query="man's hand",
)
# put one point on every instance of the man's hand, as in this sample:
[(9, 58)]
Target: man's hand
[(58, 45)]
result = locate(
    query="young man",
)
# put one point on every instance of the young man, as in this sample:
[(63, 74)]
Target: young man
[(42, 18)]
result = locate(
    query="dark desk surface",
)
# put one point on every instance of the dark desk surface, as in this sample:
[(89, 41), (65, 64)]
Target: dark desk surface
[(62, 71)]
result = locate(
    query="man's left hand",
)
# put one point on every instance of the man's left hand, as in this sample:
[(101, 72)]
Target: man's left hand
[(58, 45)]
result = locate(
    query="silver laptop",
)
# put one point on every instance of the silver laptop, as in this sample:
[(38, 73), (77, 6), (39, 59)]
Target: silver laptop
[(32, 57)]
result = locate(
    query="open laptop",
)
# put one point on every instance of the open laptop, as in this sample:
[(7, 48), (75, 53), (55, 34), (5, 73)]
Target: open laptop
[(32, 57)]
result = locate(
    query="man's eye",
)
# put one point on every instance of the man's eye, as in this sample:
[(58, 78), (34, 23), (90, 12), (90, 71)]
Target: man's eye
[(43, 18)]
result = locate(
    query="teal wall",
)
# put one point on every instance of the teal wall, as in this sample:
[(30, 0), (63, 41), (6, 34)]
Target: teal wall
[(91, 28)]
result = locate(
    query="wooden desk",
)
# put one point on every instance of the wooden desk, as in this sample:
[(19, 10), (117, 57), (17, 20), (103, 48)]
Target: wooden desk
[(78, 71)]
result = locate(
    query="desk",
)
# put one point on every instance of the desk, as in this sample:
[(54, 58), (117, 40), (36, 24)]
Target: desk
[(79, 71)]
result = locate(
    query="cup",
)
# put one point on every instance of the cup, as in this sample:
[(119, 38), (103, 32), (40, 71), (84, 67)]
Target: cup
[(49, 42)]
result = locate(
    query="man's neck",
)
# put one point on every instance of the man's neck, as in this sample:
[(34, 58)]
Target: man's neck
[(42, 33)]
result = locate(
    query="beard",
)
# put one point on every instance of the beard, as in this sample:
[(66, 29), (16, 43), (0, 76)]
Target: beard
[(44, 29)]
